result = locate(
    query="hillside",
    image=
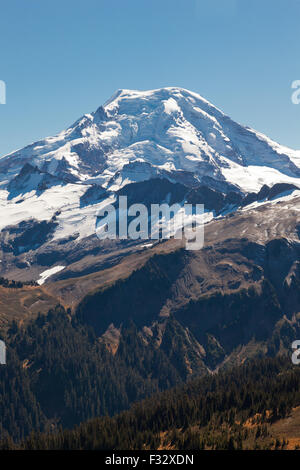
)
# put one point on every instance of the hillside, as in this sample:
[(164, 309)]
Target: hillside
[(255, 406)]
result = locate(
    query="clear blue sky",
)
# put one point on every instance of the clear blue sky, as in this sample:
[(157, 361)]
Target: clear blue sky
[(63, 58)]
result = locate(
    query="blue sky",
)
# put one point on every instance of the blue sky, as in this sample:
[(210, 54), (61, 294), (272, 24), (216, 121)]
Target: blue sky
[(63, 58)]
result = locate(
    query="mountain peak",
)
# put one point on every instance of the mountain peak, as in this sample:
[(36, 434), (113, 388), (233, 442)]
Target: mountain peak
[(157, 95), (170, 131)]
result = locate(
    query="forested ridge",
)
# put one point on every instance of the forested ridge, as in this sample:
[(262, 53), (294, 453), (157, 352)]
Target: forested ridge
[(207, 413), (59, 373), (60, 376)]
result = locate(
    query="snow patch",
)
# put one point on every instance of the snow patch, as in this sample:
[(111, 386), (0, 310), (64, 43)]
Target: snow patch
[(49, 272)]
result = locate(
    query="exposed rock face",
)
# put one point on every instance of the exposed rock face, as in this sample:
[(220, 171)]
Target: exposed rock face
[(30, 179)]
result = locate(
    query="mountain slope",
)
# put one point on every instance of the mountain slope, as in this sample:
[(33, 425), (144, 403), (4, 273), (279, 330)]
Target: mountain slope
[(238, 296), (255, 406)]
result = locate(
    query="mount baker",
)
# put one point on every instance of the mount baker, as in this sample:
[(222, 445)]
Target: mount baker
[(168, 144)]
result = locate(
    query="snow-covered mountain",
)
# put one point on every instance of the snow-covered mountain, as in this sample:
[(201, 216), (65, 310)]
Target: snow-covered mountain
[(170, 132), (154, 146)]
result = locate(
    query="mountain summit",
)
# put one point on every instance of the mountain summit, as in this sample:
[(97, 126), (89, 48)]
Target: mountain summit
[(169, 132)]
